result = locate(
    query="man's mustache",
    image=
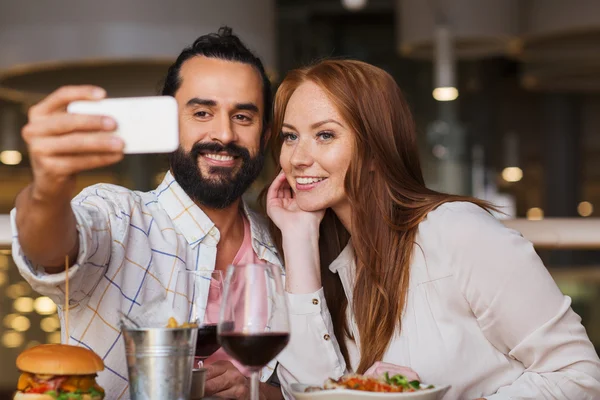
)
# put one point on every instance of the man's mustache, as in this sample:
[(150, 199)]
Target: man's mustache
[(213, 147)]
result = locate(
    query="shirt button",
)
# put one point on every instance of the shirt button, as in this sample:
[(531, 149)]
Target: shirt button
[(326, 337), (315, 301)]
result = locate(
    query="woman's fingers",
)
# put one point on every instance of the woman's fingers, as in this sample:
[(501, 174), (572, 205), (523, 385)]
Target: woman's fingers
[(274, 191)]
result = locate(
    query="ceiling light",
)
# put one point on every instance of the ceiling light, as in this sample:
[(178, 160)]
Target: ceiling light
[(512, 174), (444, 65), (354, 5)]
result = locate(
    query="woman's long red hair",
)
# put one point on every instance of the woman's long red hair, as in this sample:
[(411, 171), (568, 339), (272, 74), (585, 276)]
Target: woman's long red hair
[(387, 193)]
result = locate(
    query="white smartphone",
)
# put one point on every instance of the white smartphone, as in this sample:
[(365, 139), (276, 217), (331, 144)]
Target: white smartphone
[(146, 124)]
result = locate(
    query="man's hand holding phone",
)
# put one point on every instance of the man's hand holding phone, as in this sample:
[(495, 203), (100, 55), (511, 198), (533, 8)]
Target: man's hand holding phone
[(76, 129), (61, 144), (72, 130)]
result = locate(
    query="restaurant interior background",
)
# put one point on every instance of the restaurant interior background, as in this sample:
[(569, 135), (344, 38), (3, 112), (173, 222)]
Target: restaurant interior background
[(524, 131)]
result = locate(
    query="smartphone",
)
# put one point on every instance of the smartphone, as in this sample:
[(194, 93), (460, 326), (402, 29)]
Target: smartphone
[(146, 124)]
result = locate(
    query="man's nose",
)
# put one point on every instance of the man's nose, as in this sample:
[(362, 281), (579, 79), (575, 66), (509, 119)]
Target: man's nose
[(223, 131)]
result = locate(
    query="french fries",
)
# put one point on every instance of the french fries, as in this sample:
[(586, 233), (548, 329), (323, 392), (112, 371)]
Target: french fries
[(174, 324)]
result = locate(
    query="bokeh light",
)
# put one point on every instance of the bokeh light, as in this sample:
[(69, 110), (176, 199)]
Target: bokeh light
[(535, 214), (23, 304), (20, 323), (585, 208), (12, 339), (50, 324), (54, 337), (44, 306)]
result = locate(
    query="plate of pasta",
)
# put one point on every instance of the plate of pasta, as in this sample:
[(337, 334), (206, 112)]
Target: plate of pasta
[(357, 387)]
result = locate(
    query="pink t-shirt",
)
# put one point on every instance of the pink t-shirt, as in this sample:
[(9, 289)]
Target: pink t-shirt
[(245, 255)]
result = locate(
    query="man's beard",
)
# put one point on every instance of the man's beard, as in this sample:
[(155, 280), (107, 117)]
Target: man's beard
[(224, 186)]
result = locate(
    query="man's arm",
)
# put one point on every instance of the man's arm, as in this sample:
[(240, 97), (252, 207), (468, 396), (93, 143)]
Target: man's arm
[(60, 145), (47, 230)]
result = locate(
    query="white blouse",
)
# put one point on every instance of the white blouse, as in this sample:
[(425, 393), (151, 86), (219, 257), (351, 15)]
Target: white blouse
[(483, 315)]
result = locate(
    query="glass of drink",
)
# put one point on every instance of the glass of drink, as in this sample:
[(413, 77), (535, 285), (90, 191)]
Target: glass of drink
[(253, 324), (196, 300)]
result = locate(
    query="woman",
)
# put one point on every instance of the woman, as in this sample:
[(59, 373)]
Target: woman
[(381, 269)]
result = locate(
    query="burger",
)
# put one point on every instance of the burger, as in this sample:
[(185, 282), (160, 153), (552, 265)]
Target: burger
[(59, 372)]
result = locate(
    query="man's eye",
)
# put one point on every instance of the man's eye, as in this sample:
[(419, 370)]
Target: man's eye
[(201, 114), (241, 117)]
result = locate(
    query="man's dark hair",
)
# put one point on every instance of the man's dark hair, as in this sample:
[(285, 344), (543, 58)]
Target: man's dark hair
[(225, 46)]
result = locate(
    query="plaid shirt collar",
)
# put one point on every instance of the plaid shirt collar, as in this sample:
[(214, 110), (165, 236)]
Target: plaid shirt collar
[(195, 225)]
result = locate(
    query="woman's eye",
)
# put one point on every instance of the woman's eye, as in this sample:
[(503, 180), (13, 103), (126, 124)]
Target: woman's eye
[(288, 136), (325, 135)]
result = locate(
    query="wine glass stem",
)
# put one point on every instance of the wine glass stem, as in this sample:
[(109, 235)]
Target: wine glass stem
[(254, 383)]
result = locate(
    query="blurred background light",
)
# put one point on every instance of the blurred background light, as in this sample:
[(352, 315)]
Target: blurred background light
[(512, 174), (535, 214), (12, 339), (11, 157), (53, 337), (50, 324), (32, 343), (3, 262), (585, 208), (18, 289), (8, 319), (444, 64), (445, 93), (354, 5), (23, 304), (20, 323), (44, 306)]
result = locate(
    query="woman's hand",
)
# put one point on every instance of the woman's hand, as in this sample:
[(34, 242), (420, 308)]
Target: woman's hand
[(300, 234), (380, 368), (285, 213)]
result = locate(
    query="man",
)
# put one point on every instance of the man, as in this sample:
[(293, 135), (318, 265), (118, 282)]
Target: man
[(126, 246)]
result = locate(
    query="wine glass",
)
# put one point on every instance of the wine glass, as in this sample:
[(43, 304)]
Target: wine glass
[(196, 300), (253, 325)]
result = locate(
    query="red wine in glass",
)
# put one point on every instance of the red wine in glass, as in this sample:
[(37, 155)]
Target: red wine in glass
[(194, 291), (208, 341), (243, 347), (253, 327)]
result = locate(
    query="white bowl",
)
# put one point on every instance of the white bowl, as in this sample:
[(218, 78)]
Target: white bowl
[(342, 394)]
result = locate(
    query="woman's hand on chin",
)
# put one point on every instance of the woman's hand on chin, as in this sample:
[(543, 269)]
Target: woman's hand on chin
[(300, 234), (285, 213)]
